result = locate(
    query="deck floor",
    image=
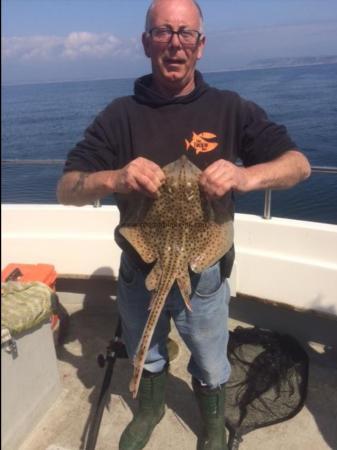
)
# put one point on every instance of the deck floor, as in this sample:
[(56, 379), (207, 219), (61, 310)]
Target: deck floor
[(64, 425)]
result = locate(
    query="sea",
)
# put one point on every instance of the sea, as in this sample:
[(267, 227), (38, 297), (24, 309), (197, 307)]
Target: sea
[(42, 122)]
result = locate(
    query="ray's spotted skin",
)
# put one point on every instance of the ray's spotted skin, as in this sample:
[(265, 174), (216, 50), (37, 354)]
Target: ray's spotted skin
[(180, 229)]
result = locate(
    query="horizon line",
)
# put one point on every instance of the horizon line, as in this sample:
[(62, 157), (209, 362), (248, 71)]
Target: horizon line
[(231, 69)]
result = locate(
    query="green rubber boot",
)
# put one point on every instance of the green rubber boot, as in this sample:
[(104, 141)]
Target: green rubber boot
[(151, 409), (211, 403)]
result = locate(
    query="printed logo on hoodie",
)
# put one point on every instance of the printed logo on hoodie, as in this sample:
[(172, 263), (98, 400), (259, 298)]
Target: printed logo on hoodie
[(201, 142)]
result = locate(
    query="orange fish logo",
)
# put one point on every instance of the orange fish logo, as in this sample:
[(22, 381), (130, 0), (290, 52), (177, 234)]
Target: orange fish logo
[(200, 142)]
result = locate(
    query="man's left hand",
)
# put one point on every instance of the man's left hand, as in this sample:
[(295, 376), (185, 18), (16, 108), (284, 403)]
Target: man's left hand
[(221, 177)]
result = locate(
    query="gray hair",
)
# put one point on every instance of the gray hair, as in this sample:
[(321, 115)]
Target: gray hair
[(149, 12)]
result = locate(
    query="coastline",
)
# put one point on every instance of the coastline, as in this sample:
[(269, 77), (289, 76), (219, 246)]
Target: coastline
[(246, 68)]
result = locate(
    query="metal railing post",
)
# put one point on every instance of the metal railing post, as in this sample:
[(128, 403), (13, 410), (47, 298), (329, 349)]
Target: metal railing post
[(267, 204)]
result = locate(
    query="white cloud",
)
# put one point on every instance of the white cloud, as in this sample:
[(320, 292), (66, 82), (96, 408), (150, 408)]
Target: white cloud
[(79, 44), (27, 48), (74, 46)]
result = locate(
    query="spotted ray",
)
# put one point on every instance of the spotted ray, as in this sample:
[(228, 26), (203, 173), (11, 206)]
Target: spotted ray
[(181, 229)]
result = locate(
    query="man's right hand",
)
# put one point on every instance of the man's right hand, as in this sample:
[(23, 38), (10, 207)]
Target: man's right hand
[(141, 175), (82, 188)]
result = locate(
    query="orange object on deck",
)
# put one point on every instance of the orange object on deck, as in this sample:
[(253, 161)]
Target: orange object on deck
[(45, 273), (30, 272)]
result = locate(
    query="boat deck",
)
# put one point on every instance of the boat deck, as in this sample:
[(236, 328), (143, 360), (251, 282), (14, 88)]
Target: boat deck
[(91, 324)]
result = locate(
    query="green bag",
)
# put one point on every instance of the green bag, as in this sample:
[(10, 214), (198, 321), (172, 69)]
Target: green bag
[(24, 305)]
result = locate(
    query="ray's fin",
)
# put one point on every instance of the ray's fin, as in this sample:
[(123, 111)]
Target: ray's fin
[(139, 241), (185, 290), (213, 243)]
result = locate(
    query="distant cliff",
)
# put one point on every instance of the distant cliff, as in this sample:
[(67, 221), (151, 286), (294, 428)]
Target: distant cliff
[(292, 62)]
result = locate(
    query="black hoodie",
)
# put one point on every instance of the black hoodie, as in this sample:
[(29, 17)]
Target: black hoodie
[(206, 125)]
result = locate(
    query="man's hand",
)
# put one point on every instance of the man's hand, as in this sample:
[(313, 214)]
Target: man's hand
[(82, 188), (282, 172), (141, 175), (221, 177)]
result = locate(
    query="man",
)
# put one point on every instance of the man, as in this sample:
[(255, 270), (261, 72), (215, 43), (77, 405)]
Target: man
[(174, 112)]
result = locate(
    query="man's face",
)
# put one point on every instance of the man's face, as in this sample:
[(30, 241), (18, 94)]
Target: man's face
[(173, 63)]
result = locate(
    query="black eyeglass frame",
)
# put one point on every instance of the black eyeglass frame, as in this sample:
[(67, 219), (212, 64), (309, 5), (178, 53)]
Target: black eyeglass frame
[(178, 33)]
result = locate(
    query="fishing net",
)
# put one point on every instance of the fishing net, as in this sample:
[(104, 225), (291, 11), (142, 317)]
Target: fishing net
[(268, 383)]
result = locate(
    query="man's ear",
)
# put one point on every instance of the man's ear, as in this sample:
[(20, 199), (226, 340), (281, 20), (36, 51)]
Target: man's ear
[(201, 46), (146, 44)]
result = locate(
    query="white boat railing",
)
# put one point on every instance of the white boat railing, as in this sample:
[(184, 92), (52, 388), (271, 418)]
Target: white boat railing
[(267, 195)]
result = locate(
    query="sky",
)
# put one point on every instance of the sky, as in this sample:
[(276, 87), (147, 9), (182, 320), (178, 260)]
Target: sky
[(58, 40)]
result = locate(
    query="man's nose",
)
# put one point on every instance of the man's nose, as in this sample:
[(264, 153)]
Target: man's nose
[(175, 40)]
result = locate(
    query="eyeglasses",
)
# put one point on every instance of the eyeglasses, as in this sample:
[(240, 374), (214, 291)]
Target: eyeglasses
[(164, 35)]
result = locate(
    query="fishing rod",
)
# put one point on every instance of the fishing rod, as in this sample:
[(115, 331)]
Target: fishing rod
[(115, 349)]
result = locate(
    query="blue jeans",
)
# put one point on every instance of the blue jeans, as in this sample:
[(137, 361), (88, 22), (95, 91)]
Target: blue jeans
[(204, 330)]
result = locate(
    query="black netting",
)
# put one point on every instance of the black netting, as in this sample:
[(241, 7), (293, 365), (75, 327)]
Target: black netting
[(268, 382)]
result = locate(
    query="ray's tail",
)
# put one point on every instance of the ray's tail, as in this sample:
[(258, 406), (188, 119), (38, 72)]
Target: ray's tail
[(139, 360)]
